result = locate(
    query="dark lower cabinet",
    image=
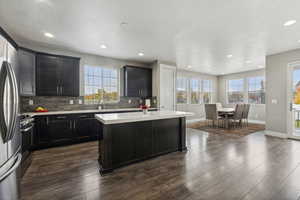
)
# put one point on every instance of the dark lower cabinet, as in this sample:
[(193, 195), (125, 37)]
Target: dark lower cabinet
[(126, 143), (64, 129), (123, 135), (41, 135), (60, 130), (86, 128), (164, 138)]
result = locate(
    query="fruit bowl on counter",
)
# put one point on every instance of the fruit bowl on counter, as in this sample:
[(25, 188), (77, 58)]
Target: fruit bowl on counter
[(41, 109)]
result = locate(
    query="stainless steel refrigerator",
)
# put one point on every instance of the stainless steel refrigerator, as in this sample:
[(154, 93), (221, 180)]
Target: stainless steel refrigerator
[(10, 138)]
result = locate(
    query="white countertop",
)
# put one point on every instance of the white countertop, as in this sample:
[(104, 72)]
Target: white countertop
[(118, 118), (32, 114)]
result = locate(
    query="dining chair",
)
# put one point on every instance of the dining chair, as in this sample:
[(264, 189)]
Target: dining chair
[(211, 114), (246, 114), (236, 118), (219, 106)]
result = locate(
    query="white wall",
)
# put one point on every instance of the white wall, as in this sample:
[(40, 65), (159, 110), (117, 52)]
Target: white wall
[(257, 111), (198, 109), (276, 76), (93, 60)]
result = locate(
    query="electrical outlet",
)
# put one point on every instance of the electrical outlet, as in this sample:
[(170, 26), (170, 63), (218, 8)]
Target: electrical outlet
[(71, 102), (79, 101), (274, 101), (30, 102)]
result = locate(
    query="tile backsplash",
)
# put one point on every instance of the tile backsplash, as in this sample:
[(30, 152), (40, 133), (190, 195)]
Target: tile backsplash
[(63, 103)]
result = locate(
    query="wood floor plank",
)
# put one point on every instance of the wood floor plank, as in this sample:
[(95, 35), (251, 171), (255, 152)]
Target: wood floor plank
[(215, 167)]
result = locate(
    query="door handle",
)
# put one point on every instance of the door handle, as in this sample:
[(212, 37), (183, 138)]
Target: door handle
[(15, 99), (8, 125), (3, 125)]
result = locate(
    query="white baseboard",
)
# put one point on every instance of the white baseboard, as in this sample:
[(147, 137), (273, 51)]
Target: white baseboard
[(195, 120), (203, 119), (257, 121), (276, 134)]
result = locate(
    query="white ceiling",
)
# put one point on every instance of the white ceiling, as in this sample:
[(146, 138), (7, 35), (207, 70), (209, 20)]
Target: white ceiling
[(200, 33)]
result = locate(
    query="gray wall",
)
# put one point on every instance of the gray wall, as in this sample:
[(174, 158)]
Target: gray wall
[(198, 109), (276, 77), (257, 112)]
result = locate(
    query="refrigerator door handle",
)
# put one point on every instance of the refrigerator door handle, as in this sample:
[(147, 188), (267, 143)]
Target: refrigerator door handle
[(13, 168), (15, 100), (5, 128)]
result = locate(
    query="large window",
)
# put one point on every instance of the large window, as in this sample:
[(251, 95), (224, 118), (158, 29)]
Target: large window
[(195, 91), (256, 90), (181, 94), (206, 91), (101, 85), (235, 91)]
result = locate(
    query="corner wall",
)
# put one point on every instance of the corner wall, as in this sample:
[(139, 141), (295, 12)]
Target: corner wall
[(276, 85)]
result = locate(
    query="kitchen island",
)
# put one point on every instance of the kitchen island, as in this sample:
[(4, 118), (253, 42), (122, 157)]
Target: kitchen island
[(131, 137)]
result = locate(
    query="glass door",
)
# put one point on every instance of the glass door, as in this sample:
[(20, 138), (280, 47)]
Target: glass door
[(293, 119)]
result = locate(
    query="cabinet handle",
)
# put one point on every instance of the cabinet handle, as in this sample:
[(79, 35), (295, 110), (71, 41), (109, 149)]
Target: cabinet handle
[(70, 124), (74, 123), (61, 90), (47, 121), (83, 116), (61, 117), (57, 92)]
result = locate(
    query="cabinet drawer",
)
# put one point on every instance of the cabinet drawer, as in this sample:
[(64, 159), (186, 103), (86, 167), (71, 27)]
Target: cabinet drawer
[(59, 117), (84, 116)]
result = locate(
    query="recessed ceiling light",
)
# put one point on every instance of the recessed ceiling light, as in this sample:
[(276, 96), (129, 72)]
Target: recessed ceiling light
[(103, 46), (229, 56), (141, 54), (248, 61), (299, 41), (49, 35), (189, 66), (260, 66), (290, 22)]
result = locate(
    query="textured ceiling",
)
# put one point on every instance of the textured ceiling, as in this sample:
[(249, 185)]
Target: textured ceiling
[(199, 33)]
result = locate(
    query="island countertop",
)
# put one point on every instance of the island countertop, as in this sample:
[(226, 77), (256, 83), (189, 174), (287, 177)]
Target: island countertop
[(118, 118)]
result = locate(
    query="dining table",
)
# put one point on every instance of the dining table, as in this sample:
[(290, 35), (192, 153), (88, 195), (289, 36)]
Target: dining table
[(226, 112)]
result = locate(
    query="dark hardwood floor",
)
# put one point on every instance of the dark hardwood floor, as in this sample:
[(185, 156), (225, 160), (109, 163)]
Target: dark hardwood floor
[(217, 167)]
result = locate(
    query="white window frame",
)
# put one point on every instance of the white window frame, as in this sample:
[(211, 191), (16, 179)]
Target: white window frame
[(243, 91), (247, 89), (187, 89), (210, 90), (118, 84), (190, 92)]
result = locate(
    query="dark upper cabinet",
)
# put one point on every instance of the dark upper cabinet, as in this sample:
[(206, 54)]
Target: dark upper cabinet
[(27, 71), (137, 82), (56, 75), (69, 77)]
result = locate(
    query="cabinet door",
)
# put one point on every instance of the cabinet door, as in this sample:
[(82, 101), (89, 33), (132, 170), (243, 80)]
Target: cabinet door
[(60, 129), (132, 82), (166, 135), (138, 82), (69, 77), (86, 128), (41, 135), (27, 71), (123, 143), (143, 140), (146, 82), (47, 79)]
